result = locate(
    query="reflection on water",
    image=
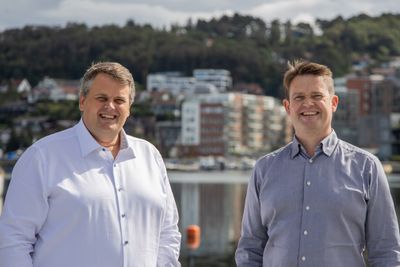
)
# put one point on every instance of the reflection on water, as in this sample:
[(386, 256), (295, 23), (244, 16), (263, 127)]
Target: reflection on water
[(215, 201)]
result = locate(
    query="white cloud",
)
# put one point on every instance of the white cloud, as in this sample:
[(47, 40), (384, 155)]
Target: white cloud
[(96, 13), (159, 13), (309, 10)]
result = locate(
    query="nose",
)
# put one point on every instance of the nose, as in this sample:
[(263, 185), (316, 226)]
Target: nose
[(109, 104), (308, 101)]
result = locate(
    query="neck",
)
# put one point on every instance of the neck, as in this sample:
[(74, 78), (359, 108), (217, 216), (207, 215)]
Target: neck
[(310, 141), (109, 144), (112, 146)]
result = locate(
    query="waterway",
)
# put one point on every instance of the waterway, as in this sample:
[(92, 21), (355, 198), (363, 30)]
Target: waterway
[(214, 200)]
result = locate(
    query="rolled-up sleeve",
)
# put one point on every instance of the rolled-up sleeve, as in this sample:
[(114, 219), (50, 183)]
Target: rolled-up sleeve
[(253, 235), (382, 230), (24, 212)]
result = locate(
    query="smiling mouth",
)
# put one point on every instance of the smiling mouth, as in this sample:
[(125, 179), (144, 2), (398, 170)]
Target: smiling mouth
[(309, 113), (108, 117)]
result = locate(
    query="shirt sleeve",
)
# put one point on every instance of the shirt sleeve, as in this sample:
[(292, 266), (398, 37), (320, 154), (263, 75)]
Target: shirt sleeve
[(24, 211), (254, 234), (170, 237), (382, 230)]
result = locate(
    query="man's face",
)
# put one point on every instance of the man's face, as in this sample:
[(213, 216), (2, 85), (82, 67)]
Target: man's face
[(105, 108), (310, 106)]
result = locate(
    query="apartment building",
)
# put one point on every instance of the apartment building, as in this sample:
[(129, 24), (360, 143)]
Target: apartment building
[(378, 98), (346, 118), (220, 78), (172, 82), (232, 124), (203, 80)]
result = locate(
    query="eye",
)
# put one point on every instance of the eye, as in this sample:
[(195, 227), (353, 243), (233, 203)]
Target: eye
[(317, 97), (298, 98), (101, 98), (120, 101)]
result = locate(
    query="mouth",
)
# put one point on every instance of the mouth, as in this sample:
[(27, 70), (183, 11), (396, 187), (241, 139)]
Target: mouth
[(108, 116), (309, 113)]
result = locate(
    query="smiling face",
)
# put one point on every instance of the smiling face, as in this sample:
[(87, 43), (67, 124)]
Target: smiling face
[(105, 108), (310, 106)]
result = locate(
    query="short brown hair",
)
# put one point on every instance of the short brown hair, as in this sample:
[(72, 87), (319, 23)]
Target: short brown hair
[(115, 70), (300, 67)]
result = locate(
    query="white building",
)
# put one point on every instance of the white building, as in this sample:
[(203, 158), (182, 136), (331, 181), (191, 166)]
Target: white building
[(191, 122), (219, 77), (171, 82), (204, 81)]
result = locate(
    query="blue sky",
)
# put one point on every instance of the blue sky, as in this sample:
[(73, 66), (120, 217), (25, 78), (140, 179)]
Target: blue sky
[(163, 13)]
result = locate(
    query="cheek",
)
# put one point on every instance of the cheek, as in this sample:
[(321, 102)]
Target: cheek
[(124, 111)]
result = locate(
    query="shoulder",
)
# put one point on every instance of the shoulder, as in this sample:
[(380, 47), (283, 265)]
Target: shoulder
[(272, 161), (38, 154), (146, 151), (142, 147), (55, 140), (356, 153), (140, 143), (280, 153)]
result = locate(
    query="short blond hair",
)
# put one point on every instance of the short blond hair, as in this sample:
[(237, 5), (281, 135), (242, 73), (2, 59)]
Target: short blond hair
[(115, 70), (300, 67)]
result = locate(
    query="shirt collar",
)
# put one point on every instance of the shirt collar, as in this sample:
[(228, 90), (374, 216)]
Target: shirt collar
[(87, 142), (328, 145)]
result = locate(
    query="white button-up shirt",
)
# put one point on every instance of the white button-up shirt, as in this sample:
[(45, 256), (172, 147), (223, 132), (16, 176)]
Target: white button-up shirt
[(71, 204)]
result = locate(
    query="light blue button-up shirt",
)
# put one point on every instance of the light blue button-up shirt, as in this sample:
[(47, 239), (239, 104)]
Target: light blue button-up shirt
[(320, 211), (71, 204)]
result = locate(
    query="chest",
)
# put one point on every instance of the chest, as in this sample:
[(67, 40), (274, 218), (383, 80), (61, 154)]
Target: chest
[(332, 188)]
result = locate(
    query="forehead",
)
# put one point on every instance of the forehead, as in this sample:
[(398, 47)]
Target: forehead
[(105, 84), (308, 84)]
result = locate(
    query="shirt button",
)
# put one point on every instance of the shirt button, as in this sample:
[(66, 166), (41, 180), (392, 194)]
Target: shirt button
[(305, 232), (103, 149), (115, 165), (120, 189), (308, 183), (310, 160), (307, 207), (303, 258), (123, 215), (126, 243)]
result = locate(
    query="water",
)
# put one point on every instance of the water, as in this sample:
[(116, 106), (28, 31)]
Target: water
[(214, 200)]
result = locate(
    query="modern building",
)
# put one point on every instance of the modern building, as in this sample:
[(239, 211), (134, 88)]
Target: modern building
[(379, 97), (346, 118), (219, 77), (172, 82), (203, 81), (232, 124)]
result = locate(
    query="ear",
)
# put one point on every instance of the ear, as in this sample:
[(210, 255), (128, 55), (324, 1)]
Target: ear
[(286, 104), (81, 102), (335, 102)]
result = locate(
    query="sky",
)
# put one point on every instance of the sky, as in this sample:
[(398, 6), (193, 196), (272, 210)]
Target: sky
[(163, 13)]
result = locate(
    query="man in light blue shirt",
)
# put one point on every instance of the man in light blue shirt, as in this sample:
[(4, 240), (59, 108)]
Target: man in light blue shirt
[(91, 196), (318, 201)]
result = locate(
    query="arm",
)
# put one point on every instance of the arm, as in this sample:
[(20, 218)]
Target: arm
[(254, 235), (24, 212), (382, 230), (170, 237)]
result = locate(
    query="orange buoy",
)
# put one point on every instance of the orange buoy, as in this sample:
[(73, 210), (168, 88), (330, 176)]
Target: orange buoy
[(193, 236)]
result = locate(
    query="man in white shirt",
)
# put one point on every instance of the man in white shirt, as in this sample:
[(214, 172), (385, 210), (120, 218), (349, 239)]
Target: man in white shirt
[(91, 195)]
